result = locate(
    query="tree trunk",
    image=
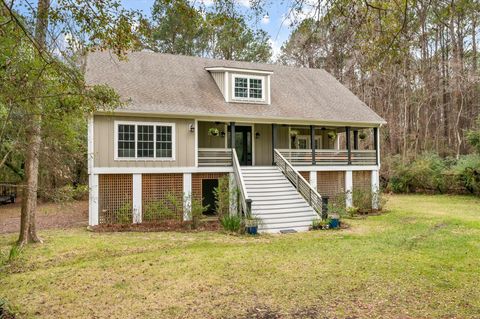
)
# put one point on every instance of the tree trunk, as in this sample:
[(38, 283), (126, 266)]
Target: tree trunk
[(28, 230)]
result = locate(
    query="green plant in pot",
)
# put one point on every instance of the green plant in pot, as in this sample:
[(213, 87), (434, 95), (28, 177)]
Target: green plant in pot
[(362, 135), (213, 131), (332, 135), (251, 225)]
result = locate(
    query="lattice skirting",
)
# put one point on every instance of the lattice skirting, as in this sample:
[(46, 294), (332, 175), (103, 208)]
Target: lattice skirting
[(115, 195), (305, 175), (330, 184), (162, 197), (197, 182), (362, 180)]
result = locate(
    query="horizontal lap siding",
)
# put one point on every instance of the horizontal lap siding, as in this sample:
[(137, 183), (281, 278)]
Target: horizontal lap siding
[(156, 190), (115, 198)]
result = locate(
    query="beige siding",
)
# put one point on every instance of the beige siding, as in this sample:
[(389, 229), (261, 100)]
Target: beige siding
[(219, 78), (208, 141), (104, 143), (283, 138), (263, 144)]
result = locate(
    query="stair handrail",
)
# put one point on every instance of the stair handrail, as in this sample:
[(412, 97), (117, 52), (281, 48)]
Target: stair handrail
[(245, 201), (313, 198)]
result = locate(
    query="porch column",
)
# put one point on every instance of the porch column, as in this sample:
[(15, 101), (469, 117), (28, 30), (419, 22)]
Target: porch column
[(187, 196), (233, 200), (232, 135), (355, 139), (93, 199), (312, 142), (313, 179), (348, 189), (137, 198), (375, 189), (375, 145), (349, 147), (274, 142)]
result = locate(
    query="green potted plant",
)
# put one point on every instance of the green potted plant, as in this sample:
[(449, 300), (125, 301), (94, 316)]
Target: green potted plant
[(332, 135), (362, 135), (294, 133), (251, 225), (213, 131)]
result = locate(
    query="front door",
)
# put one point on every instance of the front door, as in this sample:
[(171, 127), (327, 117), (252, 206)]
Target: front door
[(243, 144)]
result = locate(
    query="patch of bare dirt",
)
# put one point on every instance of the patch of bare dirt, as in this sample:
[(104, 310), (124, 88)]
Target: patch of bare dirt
[(49, 215)]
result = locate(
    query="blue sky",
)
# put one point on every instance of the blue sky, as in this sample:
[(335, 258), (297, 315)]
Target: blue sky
[(275, 22)]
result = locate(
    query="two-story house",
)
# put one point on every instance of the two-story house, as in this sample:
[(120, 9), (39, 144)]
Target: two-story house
[(285, 136)]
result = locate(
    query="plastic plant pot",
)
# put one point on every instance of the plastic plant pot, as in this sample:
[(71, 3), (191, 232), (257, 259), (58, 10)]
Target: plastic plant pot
[(252, 230), (334, 223)]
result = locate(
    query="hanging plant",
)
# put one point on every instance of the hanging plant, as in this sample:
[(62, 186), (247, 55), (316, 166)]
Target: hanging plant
[(294, 133), (332, 135), (362, 135), (213, 131)]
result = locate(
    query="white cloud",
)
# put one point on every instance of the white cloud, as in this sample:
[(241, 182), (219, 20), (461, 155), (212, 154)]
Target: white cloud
[(266, 19), (245, 3)]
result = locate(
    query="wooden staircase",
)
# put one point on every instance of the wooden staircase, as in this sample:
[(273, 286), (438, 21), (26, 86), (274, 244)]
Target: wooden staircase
[(276, 201)]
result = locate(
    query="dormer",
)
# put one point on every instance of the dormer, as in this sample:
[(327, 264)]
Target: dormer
[(242, 85)]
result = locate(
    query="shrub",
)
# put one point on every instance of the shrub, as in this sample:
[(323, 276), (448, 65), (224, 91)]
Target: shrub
[(427, 173), (222, 197), (467, 173), (196, 210), (232, 223), (80, 192), (157, 210)]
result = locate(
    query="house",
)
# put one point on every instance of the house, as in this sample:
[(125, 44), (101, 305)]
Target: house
[(284, 136)]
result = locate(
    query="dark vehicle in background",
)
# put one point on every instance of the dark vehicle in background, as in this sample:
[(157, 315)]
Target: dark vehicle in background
[(8, 193)]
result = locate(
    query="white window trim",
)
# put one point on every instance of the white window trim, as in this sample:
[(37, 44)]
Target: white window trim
[(155, 124), (248, 77)]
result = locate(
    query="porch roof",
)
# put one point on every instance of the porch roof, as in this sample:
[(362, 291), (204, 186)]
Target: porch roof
[(180, 85)]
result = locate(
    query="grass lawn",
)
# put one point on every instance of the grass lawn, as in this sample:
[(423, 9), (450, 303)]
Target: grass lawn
[(421, 259)]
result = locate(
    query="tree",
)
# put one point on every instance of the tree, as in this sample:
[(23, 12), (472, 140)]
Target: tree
[(50, 78), (414, 62), (178, 27)]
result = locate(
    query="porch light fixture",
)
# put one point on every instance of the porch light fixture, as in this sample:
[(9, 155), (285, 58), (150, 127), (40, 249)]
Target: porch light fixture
[(257, 135), (222, 134), (191, 127)]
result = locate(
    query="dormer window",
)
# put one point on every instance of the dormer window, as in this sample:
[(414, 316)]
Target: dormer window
[(248, 87), (240, 85)]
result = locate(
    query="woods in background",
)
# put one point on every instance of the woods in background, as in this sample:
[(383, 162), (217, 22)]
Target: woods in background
[(415, 62)]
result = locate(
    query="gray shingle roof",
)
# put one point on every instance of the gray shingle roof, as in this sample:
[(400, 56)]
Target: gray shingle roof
[(173, 84)]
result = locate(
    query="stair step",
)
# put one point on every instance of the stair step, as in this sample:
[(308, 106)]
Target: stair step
[(284, 210), (273, 196), (287, 224), (287, 219), (269, 207)]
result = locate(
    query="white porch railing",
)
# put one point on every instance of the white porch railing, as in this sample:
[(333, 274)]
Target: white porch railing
[(245, 201), (214, 157), (303, 187)]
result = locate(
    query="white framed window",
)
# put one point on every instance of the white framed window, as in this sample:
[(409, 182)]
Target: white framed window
[(248, 87), (144, 141)]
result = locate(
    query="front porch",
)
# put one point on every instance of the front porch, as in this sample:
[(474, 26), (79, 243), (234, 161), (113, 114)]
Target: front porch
[(255, 144)]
